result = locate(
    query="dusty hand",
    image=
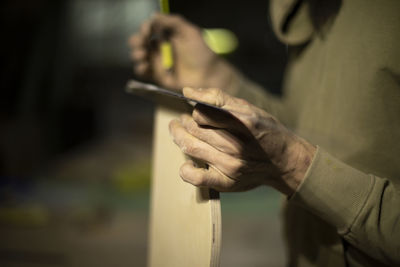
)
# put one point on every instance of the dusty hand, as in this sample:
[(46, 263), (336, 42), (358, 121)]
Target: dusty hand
[(244, 147), (194, 63)]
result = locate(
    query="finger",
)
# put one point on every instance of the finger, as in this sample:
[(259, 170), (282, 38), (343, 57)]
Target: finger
[(163, 76), (217, 138), (140, 40), (139, 55), (212, 96), (196, 148), (205, 177), (141, 69), (136, 41), (208, 116), (217, 97), (232, 122), (240, 116), (145, 28)]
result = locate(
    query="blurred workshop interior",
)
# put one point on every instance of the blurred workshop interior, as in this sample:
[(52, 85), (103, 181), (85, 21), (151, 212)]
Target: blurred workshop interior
[(75, 149)]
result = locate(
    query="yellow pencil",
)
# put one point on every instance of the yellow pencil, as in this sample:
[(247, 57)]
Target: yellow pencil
[(166, 47)]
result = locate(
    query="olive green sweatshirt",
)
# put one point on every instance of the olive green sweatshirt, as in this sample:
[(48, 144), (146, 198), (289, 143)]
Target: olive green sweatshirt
[(341, 93)]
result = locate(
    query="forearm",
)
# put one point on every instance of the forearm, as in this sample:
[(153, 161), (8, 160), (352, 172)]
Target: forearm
[(363, 208)]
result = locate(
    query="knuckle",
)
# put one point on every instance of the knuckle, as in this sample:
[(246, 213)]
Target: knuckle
[(214, 91), (272, 119), (199, 118), (254, 121), (234, 168), (192, 128), (184, 145), (198, 181), (242, 102), (268, 122), (189, 147), (218, 96), (232, 149), (196, 115), (237, 165)]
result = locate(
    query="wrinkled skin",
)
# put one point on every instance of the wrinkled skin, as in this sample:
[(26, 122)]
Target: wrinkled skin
[(195, 64), (244, 148)]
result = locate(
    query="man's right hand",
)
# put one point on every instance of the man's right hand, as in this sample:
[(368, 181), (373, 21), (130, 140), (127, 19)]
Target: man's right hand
[(195, 64)]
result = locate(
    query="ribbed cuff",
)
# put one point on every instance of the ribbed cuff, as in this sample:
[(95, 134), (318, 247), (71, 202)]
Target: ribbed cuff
[(333, 191)]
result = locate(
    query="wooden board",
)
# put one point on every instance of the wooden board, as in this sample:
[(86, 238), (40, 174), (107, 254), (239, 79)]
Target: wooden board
[(185, 228)]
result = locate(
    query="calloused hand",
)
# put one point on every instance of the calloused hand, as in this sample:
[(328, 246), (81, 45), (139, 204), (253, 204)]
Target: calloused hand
[(194, 63), (244, 147)]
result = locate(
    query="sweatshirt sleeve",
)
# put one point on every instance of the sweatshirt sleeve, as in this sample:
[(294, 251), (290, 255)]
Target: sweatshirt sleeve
[(364, 208)]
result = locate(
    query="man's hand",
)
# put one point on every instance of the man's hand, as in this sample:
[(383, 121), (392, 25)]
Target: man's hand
[(194, 63), (244, 147)]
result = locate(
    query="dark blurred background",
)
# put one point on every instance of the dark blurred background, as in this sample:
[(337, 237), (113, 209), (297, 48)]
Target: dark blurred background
[(75, 150)]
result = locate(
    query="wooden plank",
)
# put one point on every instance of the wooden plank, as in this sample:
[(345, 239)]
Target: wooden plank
[(185, 228)]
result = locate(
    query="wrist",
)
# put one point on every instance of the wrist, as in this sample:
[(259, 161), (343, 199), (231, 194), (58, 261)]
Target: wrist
[(300, 156)]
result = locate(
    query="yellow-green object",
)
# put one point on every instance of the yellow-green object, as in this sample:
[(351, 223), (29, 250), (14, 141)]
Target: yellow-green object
[(166, 48), (221, 41), (166, 55), (34, 215), (164, 6), (132, 177)]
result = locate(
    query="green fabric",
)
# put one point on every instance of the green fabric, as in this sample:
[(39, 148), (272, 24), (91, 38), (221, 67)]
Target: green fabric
[(342, 93), (296, 30)]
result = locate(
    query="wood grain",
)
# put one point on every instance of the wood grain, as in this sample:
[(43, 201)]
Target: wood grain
[(185, 228)]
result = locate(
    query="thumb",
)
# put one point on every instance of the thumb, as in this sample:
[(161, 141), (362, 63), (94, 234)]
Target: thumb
[(207, 116), (212, 96), (238, 114)]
